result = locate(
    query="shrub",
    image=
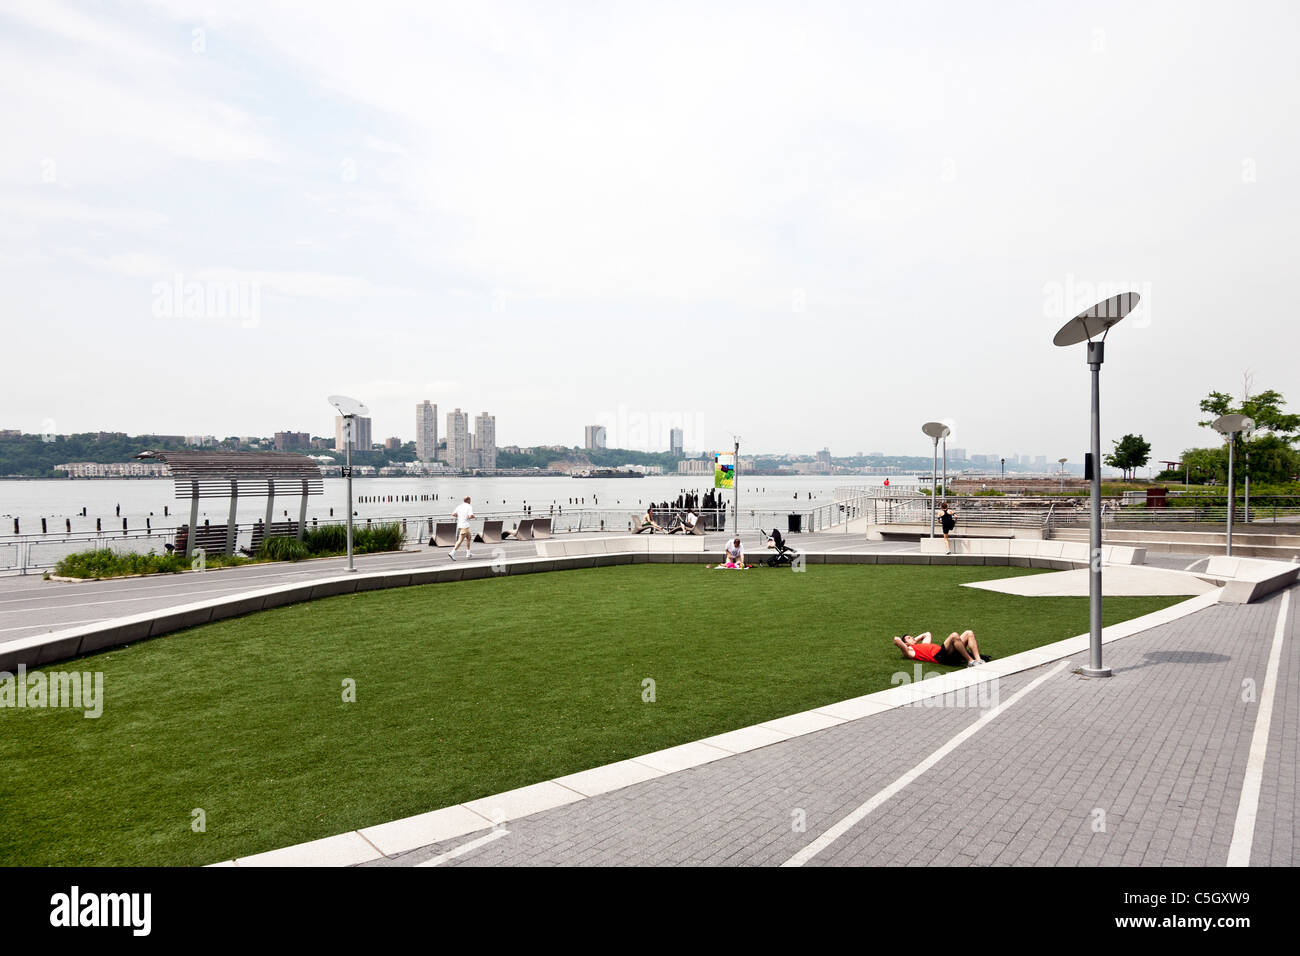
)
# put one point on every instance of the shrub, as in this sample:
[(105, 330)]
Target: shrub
[(107, 563), (283, 549), (326, 539), (377, 537)]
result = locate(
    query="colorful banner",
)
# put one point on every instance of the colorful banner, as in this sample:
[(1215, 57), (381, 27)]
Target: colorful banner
[(724, 470)]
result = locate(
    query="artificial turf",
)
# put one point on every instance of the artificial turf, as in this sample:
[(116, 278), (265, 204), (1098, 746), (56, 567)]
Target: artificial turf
[(462, 690)]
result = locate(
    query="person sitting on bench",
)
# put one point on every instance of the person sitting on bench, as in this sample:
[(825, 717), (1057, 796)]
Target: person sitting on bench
[(648, 522), (685, 523), (953, 652)]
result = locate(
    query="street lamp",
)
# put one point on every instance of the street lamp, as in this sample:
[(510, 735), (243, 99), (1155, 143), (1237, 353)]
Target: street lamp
[(1062, 462), (350, 409), (1245, 448), (1230, 425), (1096, 321), (936, 430)]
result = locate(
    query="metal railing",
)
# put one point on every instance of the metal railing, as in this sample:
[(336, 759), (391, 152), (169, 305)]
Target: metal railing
[(35, 553)]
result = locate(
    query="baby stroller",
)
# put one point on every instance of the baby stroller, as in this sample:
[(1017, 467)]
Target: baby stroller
[(784, 553)]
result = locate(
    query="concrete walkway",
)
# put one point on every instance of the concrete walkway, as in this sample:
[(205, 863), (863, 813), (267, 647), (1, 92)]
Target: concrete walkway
[(1183, 758)]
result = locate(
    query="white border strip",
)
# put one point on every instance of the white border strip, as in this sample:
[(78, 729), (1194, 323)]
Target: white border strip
[(1243, 831)]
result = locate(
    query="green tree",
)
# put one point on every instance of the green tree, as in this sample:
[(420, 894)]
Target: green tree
[(1267, 453), (1131, 452), (1265, 408)]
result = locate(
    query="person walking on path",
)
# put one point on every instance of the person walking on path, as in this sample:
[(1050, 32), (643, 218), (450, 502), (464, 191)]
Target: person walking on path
[(947, 521), (463, 513)]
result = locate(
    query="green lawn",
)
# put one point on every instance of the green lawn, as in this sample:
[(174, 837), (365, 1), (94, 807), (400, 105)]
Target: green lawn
[(463, 690)]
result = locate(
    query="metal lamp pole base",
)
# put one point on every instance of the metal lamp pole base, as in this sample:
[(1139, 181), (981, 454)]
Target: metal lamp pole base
[(1096, 355)]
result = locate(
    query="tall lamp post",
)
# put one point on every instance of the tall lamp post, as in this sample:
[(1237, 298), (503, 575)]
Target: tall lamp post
[(735, 480), (1245, 450), (350, 409), (1230, 425), (936, 431), (1096, 321), (1062, 462)]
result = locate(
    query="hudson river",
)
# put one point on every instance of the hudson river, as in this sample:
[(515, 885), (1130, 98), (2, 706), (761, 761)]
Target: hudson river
[(60, 499)]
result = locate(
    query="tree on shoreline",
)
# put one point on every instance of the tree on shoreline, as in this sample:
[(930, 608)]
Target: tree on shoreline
[(1131, 453)]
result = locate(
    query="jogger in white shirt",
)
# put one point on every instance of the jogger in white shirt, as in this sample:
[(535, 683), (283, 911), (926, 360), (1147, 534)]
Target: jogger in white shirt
[(462, 514)]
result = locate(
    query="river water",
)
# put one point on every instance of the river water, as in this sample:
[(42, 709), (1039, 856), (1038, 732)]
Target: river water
[(110, 499)]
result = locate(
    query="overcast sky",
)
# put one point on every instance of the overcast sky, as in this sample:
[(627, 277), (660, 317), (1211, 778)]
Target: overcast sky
[(809, 224)]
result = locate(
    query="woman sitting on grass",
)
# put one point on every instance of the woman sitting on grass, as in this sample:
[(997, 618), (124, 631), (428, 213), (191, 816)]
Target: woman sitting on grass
[(955, 650)]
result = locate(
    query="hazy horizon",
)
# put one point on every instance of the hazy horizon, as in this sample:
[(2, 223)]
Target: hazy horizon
[(814, 226)]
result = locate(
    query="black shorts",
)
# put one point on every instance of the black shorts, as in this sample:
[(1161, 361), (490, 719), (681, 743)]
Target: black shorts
[(948, 658)]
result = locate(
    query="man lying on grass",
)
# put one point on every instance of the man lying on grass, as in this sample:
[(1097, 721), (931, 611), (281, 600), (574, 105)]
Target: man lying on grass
[(955, 650)]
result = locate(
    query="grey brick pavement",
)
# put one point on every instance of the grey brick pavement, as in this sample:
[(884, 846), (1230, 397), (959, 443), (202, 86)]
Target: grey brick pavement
[(1160, 749)]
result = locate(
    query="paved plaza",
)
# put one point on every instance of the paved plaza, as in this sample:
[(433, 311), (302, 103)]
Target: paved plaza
[(1163, 764), (1145, 768)]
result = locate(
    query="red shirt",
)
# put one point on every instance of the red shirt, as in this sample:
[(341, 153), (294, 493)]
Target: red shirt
[(925, 652)]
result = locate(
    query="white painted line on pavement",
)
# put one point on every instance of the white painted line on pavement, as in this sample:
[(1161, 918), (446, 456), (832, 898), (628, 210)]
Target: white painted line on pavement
[(1243, 831), (858, 815), (464, 848)]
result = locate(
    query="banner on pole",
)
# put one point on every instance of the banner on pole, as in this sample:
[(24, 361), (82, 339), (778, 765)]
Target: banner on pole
[(724, 470)]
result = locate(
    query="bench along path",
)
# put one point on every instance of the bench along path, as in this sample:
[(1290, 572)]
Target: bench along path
[(1146, 768)]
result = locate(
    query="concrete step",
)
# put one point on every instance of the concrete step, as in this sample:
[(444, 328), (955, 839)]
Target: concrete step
[(1241, 547), (1183, 537)]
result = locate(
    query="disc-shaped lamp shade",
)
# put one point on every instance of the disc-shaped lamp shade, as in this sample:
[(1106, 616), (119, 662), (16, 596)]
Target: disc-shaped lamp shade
[(935, 430), (1096, 320), (1227, 424), (349, 406)]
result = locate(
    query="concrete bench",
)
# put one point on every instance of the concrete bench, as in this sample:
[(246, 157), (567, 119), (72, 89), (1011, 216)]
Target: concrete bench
[(1027, 551), (1248, 579), (879, 532), (620, 544)]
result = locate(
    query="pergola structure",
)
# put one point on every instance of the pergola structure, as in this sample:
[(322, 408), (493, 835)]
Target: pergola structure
[(229, 474)]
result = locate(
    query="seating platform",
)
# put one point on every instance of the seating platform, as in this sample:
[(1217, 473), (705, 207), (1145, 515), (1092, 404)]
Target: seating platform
[(1248, 579), (1025, 551), (621, 544)]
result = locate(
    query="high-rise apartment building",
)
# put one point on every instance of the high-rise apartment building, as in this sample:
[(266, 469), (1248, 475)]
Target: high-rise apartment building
[(675, 441), (361, 440), (485, 440), (457, 440), (426, 431), (292, 441), (594, 437)]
